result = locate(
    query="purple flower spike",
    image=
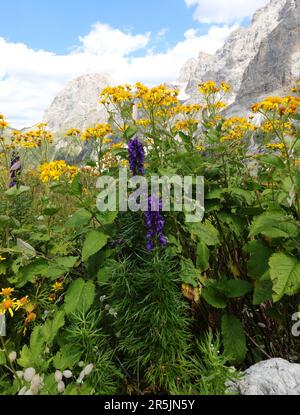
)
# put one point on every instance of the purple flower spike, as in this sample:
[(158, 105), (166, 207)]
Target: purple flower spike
[(15, 169), (136, 157), (155, 223)]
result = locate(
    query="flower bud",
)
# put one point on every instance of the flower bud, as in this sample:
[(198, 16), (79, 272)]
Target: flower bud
[(58, 376), (29, 373), (88, 369), (12, 356), (61, 387), (67, 374)]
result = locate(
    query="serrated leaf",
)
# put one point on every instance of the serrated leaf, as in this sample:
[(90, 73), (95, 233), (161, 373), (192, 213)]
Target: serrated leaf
[(93, 243), (60, 266), (234, 338), (236, 288), (214, 297), (274, 225), (285, 275), (80, 296), (66, 358), (206, 233), (50, 329), (80, 218)]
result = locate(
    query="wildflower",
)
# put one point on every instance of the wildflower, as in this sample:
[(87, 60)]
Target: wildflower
[(6, 292), (57, 286), (61, 387), (200, 148), (58, 376), (8, 305), (117, 146), (116, 95), (3, 124), (22, 302), (73, 132), (235, 128), (67, 374), (12, 356), (297, 162), (276, 146), (143, 123), (155, 224), (88, 369), (29, 374), (136, 157), (107, 141), (15, 169), (100, 131), (31, 317), (54, 170), (185, 125), (225, 87), (209, 87)]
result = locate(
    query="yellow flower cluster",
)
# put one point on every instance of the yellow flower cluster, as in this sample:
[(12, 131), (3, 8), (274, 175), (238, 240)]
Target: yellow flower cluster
[(33, 139), (159, 96), (280, 105), (276, 146), (235, 128), (9, 304), (270, 126), (200, 148), (73, 132), (210, 87), (100, 131), (117, 94), (54, 170), (143, 123), (186, 125), (3, 123)]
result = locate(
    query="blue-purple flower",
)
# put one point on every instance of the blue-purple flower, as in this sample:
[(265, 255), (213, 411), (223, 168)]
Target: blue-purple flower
[(15, 169), (155, 223), (136, 157)]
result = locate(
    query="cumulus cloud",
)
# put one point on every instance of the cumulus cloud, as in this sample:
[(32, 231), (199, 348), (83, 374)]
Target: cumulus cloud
[(30, 79), (224, 11)]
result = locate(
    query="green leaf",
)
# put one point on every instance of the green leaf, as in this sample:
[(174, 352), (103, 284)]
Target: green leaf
[(107, 218), (50, 329), (37, 268), (285, 275), (214, 297), (246, 195), (236, 288), (94, 242), (272, 160), (262, 291), (80, 218), (80, 296), (61, 266), (131, 131), (202, 256), (32, 356), (206, 233), (234, 339), (274, 224), (51, 211), (258, 263), (2, 358), (66, 358), (17, 191), (4, 220), (26, 248), (105, 272), (189, 274), (76, 186)]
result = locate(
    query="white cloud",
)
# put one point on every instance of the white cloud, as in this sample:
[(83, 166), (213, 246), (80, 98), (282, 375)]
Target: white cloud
[(30, 79), (224, 11)]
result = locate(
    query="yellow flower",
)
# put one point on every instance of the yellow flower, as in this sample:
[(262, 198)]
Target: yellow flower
[(54, 170), (31, 317), (281, 105), (116, 95), (6, 292), (124, 163), (143, 123), (185, 125), (276, 146), (297, 163), (235, 128), (73, 132), (3, 124), (58, 286), (117, 146), (8, 305), (209, 87), (100, 131), (107, 141), (200, 148), (2, 258), (225, 87)]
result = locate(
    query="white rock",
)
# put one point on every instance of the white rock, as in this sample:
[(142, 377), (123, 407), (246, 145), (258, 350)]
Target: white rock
[(270, 377)]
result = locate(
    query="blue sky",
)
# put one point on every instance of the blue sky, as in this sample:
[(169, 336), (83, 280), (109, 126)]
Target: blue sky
[(56, 24), (46, 43)]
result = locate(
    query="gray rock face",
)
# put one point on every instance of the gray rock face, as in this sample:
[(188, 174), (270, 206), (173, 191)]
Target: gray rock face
[(271, 377), (258, 60), (77, 105)]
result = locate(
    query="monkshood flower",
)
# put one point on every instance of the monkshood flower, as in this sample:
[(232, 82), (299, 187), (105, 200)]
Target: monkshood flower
[(155, 223), (136, 156), (15, 169)]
